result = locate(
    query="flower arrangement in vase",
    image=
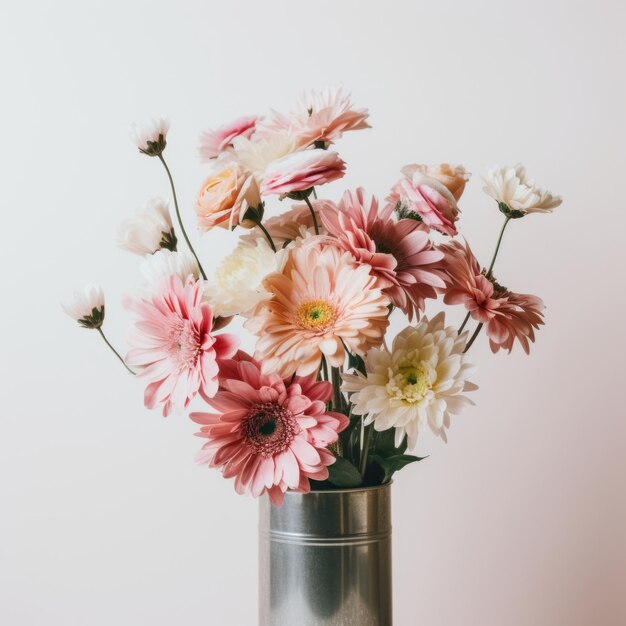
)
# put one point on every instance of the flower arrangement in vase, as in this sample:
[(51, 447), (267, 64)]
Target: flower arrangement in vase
[(326, 401)]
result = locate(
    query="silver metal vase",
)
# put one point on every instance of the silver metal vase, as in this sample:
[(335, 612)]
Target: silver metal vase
[(325, 559)]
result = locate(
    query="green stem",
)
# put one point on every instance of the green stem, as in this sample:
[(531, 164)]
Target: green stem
[(336, 381), (180, 221), (464, 323), (473, 337), (115, 352), (317, 230), (314, 193), (367, 435), (324, 369), (267, 235), (495, 254)]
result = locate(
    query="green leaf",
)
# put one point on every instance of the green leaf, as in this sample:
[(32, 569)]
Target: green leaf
[(349, 436), (392, 464), (343, 474), (385, 444)]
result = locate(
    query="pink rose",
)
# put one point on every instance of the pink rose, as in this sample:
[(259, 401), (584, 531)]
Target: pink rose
[(213, 142), (432, 193), (302, 170), (452, 177), (225, 197)]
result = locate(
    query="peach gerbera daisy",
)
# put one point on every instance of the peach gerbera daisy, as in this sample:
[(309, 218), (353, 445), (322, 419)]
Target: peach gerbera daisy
[(321, 301), (270, 434), (173, 345)]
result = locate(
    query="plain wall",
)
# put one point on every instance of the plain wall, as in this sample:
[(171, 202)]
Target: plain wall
[(520, 520)]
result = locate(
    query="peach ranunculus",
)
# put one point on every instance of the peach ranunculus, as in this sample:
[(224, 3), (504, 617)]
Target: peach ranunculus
[(224, 198), (431, 192), (302, 170)]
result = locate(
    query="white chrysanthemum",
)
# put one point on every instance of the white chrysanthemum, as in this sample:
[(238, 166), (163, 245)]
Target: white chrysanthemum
[(509, 185), (149, 230), (87, 306), (150, 137), (419, 383), (165, 263), (255, 154), (237, 286)]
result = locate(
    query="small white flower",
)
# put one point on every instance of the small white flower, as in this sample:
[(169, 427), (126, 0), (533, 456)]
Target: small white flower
[(237, 286), (418, 384), (151, 137), (164, 263), (87, 306), (509, 186), (150, 230)]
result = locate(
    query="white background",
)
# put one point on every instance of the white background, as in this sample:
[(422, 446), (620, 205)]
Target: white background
[(521, 519)]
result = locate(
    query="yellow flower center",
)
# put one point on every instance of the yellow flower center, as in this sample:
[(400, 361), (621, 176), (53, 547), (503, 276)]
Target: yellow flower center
[(315, 314), (411, 382)]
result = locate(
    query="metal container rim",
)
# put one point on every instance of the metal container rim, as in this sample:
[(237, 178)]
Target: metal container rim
[(341, 490)]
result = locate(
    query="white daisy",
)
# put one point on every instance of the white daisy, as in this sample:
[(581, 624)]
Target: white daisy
[(509, 186), (149, 230), (419, 383)]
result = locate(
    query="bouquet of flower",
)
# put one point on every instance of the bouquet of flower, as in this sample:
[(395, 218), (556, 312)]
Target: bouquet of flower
[(325, 401)]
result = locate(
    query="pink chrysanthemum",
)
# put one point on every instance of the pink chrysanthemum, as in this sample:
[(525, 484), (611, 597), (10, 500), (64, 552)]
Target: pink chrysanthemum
[(321, 116), (321, 300), (270, 434), (507, 316), (400, 253), (173, 346), (214, 142)]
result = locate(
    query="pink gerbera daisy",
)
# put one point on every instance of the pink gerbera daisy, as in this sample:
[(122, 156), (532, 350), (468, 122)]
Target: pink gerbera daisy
[(507, 316), (401, 255), (173, 346), (268, 433), (321, 301)]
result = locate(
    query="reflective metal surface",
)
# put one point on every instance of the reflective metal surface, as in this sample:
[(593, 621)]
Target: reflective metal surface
[(325, 559)]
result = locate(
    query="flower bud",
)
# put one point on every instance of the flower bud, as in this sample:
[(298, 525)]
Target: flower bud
[(87, 307)]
